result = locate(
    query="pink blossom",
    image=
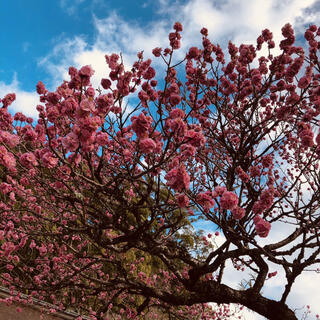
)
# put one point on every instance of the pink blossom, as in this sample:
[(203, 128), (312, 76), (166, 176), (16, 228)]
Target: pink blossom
[(8, 99), (177, 113), (112, 61), (147, 145), (182, 200), (287, 30), (193, 52), (204, 32), (141, 124), (229, 200), (265, 201), (178, 27), (195, 138), (9, 139), (28, 160), (86, 71), (104, 102), (28, 133), (48, 160), (267, 161), (70, 142), (127, 154), (267, 197), (188, 150), (157, 52), (175, 99), (178, 126), (272, 274), (303, 82), (256, 79), (19, 117), (42, 250), (205, 199), (238, 213), (258, 207), (41, 88), (90, 92), (262, 226), (318, 139), (149, 73), (8, 160), (102, 138), (53, 97), (5, 188), (106, 83), (218, 191), (12, 196), (87, 105), (242, 175), (178, 179), (254, 171), (306, 137)]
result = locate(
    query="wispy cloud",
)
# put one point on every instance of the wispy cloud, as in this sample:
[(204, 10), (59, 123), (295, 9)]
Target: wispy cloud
[(240, 21), (70, 6), (26, 46), (25, 102)]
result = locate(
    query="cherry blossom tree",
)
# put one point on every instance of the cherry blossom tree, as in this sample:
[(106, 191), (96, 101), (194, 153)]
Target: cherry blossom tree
[(98, 198)]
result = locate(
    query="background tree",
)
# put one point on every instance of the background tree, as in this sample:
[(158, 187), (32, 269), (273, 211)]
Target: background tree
[(95, 189)]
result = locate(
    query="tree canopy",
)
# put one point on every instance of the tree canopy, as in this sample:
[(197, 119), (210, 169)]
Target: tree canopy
[(100, 193)]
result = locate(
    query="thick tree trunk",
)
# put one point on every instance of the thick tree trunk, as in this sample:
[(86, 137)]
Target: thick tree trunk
[(270, 309), (211, 291)]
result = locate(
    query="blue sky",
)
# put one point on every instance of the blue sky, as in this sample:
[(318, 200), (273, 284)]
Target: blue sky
[(34, 27), (41, 39)]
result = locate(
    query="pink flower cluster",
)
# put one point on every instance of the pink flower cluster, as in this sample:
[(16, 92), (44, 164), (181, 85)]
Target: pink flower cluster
[(9, 139), (80, 78), (49, 160), (8, 99), (288, 33), (141, 124), (242, 175), (265, 201), (205, 199), (218, 191), (5, 188), (195, 138), (175, 37), (238, 213), (228, 200), (267, 161), (147, 145), (28, 160), (306, 134), (182, 200), (178, 179), (70, 142), (7, 158), (262, 226)]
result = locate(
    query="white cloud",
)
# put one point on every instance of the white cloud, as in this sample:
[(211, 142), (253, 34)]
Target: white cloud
[(112, 35), (62, 56), (242, 20), (25, 46), (70, 7), (239, 21), (25, 102)]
